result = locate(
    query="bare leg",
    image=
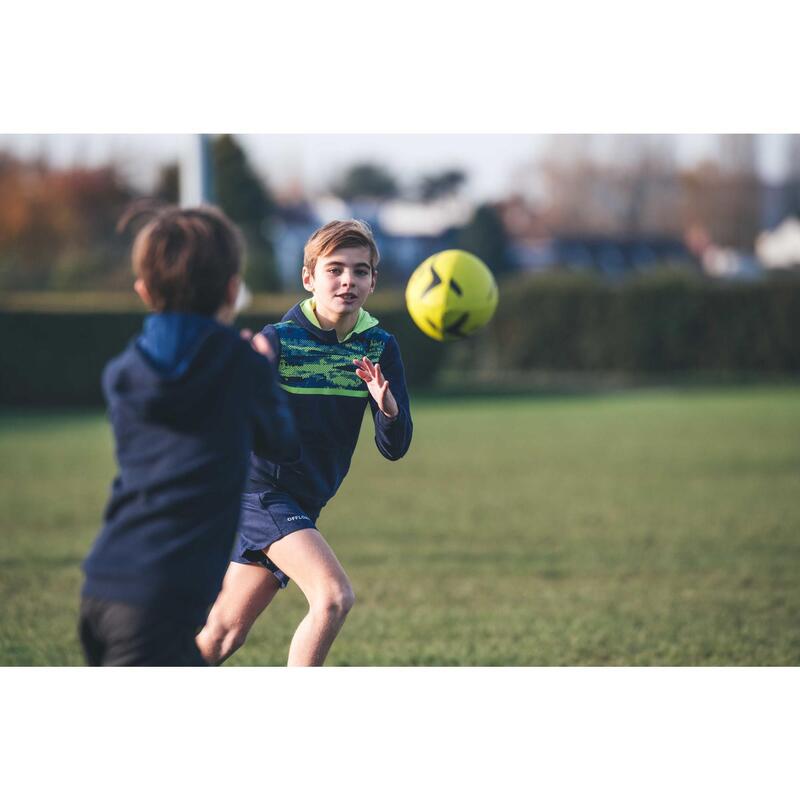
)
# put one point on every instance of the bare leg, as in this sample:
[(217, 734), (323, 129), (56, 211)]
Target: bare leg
[(246, 591), (309, 560)]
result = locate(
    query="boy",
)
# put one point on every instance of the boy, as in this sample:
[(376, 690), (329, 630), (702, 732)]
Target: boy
[(188, 400), (333, 361)]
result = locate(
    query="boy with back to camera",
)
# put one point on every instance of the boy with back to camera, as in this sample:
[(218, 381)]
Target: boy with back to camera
[(188, 400), (334, 361)]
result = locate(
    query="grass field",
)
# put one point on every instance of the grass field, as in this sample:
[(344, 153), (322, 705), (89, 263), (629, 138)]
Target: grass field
[(643, 528)]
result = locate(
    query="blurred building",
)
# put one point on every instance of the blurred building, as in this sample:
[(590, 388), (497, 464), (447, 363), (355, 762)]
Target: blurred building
[(406, 232), (536, 245), (780, 248)]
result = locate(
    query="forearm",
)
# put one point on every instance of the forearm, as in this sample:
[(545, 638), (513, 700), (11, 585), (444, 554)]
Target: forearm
[(389, 405), (393, 435)]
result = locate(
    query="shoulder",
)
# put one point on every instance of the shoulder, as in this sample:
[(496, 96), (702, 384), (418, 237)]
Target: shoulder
[(380, 345), (226, 349), (121, 360), (115, 368), (282, 328), (382, 333), (286, 337), (377, 334), (226, 343), (388, 341), (128, 362), (283, 325)]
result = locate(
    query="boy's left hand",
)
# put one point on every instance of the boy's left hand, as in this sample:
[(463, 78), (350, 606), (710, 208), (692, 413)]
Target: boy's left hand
[(378, 386)]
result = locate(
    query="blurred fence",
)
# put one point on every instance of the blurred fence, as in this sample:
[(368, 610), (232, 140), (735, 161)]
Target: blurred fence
[(54, 347)]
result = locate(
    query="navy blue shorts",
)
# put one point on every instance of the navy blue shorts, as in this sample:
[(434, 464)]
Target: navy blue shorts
[(266, 518)]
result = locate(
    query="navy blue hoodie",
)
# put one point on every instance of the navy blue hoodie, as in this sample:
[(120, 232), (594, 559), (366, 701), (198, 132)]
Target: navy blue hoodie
[(328, 400), (188, 400)]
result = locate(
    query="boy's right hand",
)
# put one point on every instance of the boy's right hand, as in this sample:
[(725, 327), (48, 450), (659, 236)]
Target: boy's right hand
[(259, 343)]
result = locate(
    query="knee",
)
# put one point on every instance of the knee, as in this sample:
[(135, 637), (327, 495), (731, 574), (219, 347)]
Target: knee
[(335, 600), (222, 637), (347, 599)]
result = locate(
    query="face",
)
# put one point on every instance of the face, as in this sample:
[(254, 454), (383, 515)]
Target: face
[(341, 281)]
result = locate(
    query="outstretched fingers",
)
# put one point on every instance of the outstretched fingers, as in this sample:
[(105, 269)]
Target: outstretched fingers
[(364, 368), (377, 385)]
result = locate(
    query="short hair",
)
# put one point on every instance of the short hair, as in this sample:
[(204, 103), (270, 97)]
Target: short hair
[(186, 257), (336, 235)]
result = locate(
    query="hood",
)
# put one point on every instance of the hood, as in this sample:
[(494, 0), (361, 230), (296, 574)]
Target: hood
[(303, 315), (177, 360), (170, 340)]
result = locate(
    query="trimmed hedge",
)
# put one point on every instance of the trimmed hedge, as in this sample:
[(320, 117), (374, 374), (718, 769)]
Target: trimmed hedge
[(665, 324), (57, 358), (661, 324)]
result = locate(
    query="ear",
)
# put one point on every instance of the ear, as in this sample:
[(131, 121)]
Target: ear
[(141, 289), (374, 281), (232, 290), (308, 280)]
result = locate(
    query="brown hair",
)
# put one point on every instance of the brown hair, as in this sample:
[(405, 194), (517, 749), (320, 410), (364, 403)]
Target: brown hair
[(185, 256), (338, 234)]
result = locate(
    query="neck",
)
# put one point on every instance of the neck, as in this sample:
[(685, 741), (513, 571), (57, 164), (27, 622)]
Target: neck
[(225, 315), (342, 324)]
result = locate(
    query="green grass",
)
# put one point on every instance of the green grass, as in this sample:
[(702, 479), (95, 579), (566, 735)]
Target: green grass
[(642, 528)]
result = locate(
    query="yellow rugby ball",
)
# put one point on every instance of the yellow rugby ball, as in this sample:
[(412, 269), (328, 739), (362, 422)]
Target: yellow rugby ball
[(451, 295)]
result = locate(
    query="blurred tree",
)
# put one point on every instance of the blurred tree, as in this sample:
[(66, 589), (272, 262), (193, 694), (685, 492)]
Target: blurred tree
[(793, 179), (737, 153), (366, 181), (57, 227), (647, 185), (637, 189), (724, 196), (246, 200), (441, 184), (632, 190), (739, 197), (168, 183), (486, 237), (237, 188)]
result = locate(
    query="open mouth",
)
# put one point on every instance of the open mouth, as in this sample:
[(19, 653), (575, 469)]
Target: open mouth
[(346, 296)]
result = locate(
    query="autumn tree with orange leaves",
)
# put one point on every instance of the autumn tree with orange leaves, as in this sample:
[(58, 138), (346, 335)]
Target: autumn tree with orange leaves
[(57, 227)]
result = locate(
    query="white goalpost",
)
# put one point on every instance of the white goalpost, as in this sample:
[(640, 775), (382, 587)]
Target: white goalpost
[(196, 171)]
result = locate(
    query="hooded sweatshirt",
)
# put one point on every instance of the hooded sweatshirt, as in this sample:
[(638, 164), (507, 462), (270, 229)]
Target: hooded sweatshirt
[(188, 400), (328, 399)]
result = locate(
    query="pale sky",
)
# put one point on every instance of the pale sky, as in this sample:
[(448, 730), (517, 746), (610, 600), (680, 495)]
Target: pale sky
[(492, 161)]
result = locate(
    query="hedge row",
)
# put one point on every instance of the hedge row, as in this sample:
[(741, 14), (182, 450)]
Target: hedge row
[(662, 325), (57, 358)]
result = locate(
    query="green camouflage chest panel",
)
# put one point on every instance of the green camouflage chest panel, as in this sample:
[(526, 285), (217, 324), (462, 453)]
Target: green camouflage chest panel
[(308, 366)]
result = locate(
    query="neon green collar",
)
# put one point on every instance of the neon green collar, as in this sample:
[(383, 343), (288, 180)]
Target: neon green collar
[(364, 322)]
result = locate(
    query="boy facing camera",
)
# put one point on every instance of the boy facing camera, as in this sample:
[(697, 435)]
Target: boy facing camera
[(334, 363)]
